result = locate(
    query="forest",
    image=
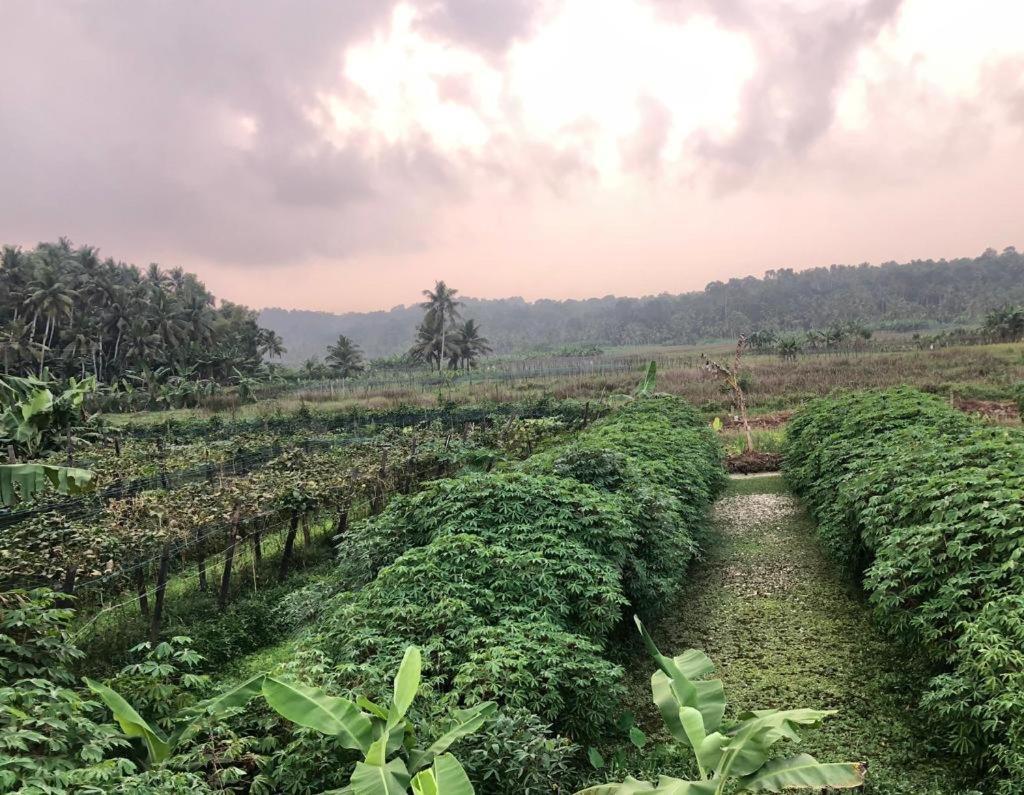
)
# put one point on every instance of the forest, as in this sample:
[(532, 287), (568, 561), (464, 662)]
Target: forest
[(66, 310), (919, 295)]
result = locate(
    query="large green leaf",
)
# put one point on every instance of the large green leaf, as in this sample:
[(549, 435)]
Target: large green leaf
[(424, 783), (390, 779), (803, 772), (691, 707), (450, 777), (665, 786), (314, 709), (748, 748), (236, 697), (41, 402), (407, 681), (646, 386), (131, 723), (23, 481), (70, 480), (466, 722)]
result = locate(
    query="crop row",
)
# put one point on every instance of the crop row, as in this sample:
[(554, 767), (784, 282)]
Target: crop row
[(139, 457), (306, 420), (927, 505), (131, 537), (513, 582)]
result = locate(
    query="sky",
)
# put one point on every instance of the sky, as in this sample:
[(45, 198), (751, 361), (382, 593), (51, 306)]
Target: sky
[(344, 154)]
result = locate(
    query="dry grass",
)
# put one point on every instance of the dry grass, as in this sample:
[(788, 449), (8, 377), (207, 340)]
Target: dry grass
[(985, 372)]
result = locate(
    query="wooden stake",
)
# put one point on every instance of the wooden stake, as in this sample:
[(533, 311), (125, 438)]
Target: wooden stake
[(229, 559), (161, 585), (140, 589), (201, 563), (68, 586), (289, 544)]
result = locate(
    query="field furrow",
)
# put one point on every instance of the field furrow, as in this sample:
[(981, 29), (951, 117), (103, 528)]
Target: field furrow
[(785, 630)]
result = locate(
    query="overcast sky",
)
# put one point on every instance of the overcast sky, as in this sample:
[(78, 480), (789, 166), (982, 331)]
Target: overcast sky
[(343, 154)]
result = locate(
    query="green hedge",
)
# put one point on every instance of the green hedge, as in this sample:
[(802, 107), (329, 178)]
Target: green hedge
[(928, 505), (513, 582)]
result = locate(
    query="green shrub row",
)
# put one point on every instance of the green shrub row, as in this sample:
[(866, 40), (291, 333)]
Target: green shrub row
[(513, 582), (928, 505)]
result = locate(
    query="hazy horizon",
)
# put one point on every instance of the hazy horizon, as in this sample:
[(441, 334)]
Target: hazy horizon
[(343, 156), (418, 298)]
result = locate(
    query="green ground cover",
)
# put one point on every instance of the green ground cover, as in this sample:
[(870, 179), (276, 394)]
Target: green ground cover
[(786, 629)]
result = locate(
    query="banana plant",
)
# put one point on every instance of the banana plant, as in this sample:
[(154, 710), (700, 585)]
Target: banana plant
[(20, 482), (644, 389), (392, 761), (733, 758), (649, 381), (159, 747)]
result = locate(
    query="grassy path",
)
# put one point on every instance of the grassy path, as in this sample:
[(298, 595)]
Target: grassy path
[(786, 631)]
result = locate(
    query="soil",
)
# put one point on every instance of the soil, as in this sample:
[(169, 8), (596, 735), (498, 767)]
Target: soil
[(748, 462), (1000, 410)]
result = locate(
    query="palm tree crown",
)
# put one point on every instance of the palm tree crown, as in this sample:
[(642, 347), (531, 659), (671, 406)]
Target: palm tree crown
[(344, 357)]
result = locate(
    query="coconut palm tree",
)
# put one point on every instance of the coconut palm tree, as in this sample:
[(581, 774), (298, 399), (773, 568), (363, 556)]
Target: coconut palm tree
[(788, 347), (442, 304), (98, 313), (51, 298), (270, 343), (427, 348), (344, 357), (16, 346), (468, 345), (1005, 324)]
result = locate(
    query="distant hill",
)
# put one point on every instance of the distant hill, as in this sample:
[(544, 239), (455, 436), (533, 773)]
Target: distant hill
[(917, 295)]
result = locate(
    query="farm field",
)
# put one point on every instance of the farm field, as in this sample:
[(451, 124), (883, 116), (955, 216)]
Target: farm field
[(986, 373), (248, 574), (512, 397)]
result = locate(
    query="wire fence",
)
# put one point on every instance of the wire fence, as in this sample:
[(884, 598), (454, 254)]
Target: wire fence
[(268, 549), (340, 421), (240, 464), (423, 381), (265, 547)]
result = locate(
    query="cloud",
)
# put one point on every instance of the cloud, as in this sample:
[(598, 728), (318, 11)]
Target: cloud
[(491, 25), (804, 56), (170, 127), (340, 132)]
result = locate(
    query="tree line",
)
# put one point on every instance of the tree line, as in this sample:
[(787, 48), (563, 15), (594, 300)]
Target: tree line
[(442, 337), (920, 295), (67, 312)]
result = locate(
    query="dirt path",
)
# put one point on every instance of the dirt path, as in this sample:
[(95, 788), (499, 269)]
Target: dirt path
[(786, 631)]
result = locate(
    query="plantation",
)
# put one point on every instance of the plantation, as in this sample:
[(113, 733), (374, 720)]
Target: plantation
[(443, 601), (511, 579)]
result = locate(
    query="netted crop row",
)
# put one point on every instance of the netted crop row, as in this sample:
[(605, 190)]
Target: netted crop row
[(928, 504), (167, 455), (306, 420), (513, 582), (129, 536)]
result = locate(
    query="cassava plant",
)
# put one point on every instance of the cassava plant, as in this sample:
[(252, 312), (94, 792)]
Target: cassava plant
[(730, 758)]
